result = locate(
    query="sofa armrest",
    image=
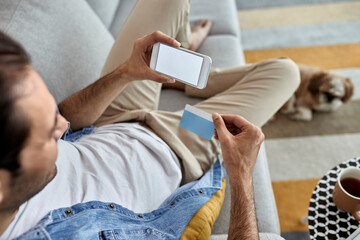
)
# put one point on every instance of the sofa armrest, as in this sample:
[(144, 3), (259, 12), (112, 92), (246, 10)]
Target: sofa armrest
[(263, 236), (266, 210)]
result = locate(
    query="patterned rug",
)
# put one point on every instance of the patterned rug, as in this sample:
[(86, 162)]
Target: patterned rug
[(323, 33)]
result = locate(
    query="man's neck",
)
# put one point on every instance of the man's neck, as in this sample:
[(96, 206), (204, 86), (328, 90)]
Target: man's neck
[(6, 217)]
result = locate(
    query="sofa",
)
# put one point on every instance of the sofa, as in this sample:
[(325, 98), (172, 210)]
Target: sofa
[(69, 42)]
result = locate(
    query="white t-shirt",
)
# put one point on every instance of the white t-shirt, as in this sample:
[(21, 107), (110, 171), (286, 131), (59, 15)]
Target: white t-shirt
[(122, 163)]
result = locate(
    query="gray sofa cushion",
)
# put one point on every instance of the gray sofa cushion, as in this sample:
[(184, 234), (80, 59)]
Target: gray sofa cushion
[(266, 211), (105, 10), (223, 14), (121, 15), (224, 50), (68, 43)]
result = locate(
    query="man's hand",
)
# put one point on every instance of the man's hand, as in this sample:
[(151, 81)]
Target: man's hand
[(83, 108), (137, 66), (240, 143)]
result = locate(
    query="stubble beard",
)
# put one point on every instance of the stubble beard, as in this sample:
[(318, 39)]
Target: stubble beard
[(24, 188)]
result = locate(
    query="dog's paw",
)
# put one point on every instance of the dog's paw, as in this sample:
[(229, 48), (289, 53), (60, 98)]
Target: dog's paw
[(329, 107), (288, 111), (335, 104), (302, 114)]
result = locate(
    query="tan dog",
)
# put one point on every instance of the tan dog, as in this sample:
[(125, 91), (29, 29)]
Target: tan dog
[(319, 90)]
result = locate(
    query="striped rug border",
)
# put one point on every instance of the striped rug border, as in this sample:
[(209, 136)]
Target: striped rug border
[(293, 195), (327, 57), (299, 15)]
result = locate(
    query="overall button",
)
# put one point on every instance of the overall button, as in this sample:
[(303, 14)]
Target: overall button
[(68, 212), (111, 206), (172, 204), (201, 191), (140, 216)]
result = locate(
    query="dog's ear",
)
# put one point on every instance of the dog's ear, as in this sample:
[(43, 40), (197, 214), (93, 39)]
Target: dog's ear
[(316, 80), (349, 89)]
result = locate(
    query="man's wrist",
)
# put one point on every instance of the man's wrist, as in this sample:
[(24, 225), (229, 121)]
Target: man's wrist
[(241, 181), (122, 72)]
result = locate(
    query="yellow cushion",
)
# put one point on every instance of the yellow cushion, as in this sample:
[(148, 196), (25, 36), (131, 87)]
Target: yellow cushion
[(202, 222)]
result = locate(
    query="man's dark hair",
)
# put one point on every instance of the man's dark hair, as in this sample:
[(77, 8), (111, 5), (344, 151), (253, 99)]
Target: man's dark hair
[(14, 127)]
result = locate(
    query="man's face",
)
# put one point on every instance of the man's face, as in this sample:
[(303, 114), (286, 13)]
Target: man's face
[(38, 156)]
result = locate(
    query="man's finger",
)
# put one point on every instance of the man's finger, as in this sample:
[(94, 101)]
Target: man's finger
[(236, 120), (220, 127), (163, 38), (152, 75), (158, 36)]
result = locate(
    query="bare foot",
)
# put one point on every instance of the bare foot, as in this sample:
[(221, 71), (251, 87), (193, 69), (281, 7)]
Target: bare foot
[(198, 33)]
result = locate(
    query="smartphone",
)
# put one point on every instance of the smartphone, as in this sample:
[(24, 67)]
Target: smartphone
[(183, 65)]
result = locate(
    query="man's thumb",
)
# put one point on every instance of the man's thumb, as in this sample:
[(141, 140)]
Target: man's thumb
[(219, 125)]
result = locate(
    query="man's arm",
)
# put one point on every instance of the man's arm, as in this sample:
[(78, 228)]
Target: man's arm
[(240, 143), (243, 224), (84, 107)]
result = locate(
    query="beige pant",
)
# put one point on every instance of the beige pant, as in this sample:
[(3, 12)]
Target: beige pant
[(254, 91)]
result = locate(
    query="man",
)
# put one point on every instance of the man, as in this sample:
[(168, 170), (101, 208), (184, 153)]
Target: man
[(127, 163)]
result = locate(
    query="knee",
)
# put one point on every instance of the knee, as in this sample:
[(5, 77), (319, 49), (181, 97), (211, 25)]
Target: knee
[(289, 73)]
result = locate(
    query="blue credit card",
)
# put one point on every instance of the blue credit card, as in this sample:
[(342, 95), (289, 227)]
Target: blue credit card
[(197, 121)]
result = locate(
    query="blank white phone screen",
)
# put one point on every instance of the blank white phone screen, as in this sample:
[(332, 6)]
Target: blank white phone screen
[(179, 64)]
